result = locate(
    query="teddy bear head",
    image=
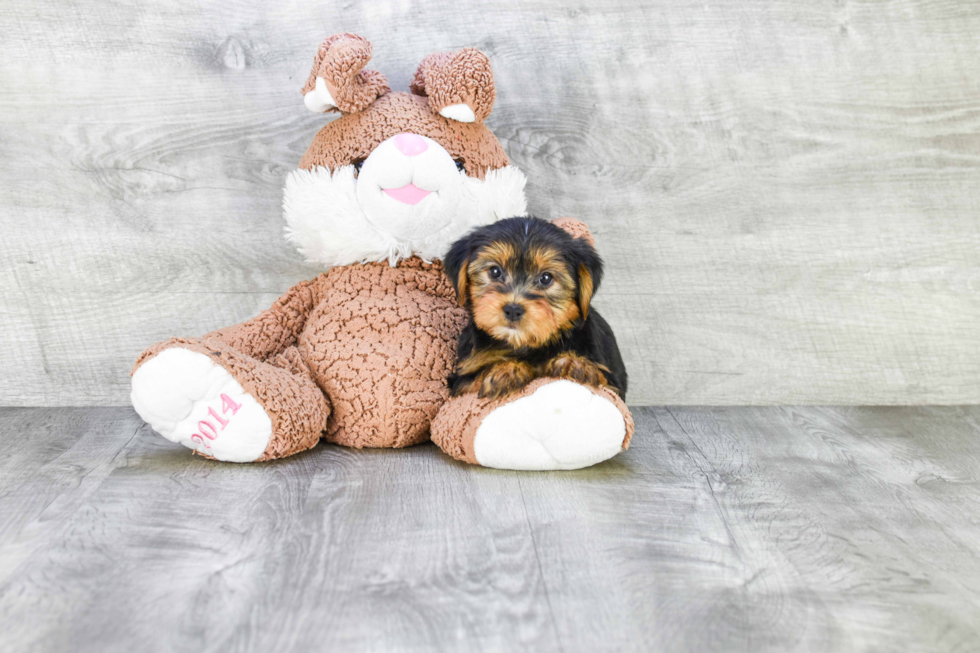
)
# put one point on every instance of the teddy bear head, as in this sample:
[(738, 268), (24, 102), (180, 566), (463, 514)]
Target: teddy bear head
[(397, 174)]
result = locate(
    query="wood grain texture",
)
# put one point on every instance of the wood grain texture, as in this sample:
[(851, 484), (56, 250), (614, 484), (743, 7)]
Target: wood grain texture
[(786, 193), (723, 529)]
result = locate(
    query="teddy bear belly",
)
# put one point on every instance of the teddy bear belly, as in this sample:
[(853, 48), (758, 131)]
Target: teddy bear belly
[(382, 360)]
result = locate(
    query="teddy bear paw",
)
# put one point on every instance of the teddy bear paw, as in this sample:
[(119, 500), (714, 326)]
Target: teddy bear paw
[(561, 425), (190, 400)]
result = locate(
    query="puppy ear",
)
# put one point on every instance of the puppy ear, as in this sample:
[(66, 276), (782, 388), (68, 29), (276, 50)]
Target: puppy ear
[(459, 85), (338, 80), (457, 264), (589, 275)]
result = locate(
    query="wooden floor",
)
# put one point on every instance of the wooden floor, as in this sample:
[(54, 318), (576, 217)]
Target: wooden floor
[(721, 529)]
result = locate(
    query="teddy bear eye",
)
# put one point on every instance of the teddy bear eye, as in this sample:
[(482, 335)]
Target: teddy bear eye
[(495, 272), (460, 166), (357, 163), (545, 279)]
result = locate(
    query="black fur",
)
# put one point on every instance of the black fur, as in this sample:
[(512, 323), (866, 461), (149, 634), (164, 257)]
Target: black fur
[(591, 338)]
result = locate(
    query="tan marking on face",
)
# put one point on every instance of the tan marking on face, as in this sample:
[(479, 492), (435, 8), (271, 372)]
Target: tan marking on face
[(488, 312), (502, 254), (545, 259), (548, 310), (497, 254)]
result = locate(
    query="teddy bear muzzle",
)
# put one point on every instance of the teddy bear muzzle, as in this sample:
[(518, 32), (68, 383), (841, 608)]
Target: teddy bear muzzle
[(409, 187)]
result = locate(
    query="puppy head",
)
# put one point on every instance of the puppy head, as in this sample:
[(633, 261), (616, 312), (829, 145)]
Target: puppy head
[(524, 280)]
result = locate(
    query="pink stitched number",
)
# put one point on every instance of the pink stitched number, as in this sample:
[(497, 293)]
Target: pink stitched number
[(227, 402), (218, 417), (214, 432), (198, 439)]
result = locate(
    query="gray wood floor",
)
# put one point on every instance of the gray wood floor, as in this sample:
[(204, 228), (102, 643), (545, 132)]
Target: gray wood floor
[(721, 529)]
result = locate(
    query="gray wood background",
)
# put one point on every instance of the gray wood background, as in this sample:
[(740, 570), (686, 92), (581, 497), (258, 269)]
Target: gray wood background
[(787, 193)]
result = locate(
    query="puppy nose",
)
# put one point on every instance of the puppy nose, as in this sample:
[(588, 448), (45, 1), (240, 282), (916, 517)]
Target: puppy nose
[(513, 312), (410, 144)]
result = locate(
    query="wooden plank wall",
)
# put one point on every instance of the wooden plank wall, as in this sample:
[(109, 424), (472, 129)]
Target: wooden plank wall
[(787, 193)]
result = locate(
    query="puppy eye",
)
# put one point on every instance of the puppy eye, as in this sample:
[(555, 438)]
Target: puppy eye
[(545, 279), (495, 272), (357, 163), (460, 166)]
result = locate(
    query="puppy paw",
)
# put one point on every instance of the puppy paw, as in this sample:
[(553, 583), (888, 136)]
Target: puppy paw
[(574, 367), (504, 379)]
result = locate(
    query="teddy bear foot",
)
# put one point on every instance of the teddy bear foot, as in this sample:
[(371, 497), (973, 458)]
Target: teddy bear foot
[(551, 424), (190, 400)]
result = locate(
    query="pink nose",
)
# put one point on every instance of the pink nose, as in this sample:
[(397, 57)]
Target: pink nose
[(410, 144)]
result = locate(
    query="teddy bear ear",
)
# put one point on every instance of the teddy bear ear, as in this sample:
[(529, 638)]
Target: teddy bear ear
[(459, 85), (338, 80)]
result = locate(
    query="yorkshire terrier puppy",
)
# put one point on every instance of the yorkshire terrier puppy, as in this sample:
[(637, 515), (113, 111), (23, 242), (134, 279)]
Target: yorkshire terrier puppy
[(527, 285)]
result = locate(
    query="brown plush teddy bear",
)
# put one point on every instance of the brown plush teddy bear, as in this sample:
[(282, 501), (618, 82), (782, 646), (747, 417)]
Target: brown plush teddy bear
[(360, 354)]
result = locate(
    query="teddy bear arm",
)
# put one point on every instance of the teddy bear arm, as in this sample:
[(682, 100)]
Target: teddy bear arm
[(272, 331), (550, 424)]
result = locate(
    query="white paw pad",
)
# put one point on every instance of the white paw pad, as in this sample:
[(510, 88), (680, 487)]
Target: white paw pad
[(562, 425), (190, 400)]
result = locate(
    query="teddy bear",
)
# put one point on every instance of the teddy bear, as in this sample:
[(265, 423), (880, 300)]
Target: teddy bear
[(359, 355)]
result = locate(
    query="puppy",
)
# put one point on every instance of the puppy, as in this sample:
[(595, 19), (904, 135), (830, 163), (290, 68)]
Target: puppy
[(527, 285)]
